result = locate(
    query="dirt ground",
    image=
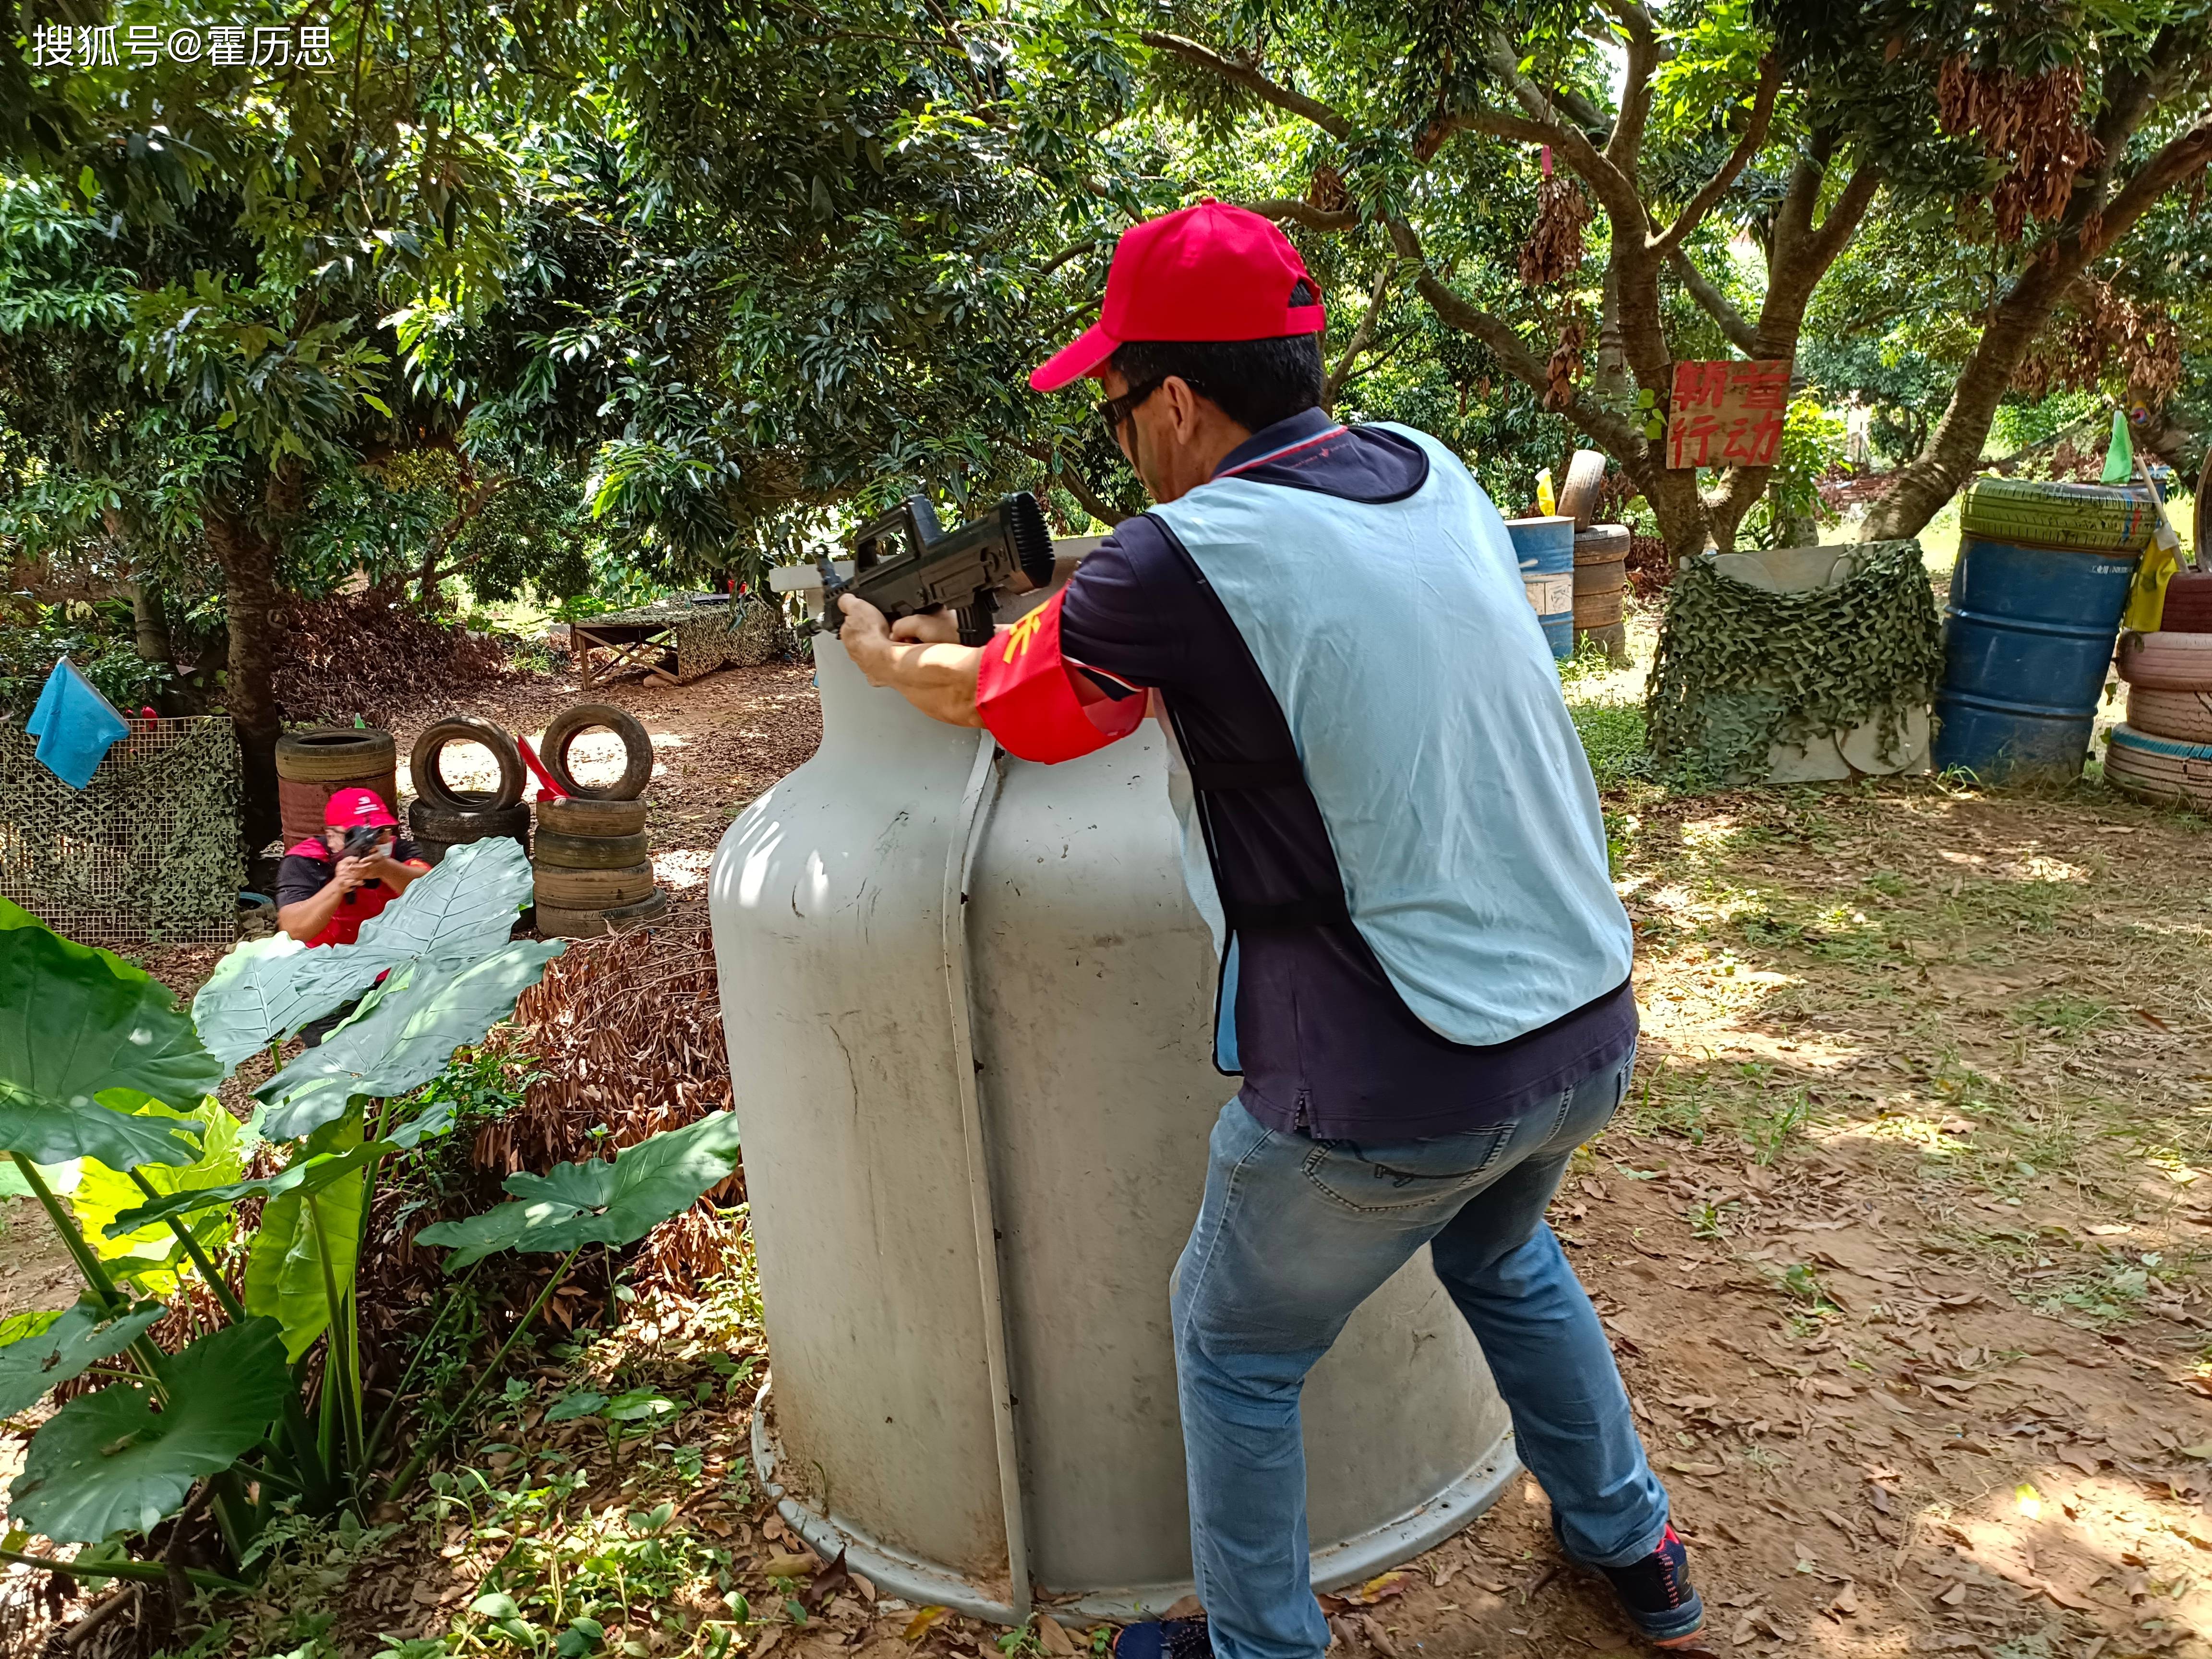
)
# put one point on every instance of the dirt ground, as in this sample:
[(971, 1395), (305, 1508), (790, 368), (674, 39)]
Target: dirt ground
[(1900, 1241), (1901, 1237)]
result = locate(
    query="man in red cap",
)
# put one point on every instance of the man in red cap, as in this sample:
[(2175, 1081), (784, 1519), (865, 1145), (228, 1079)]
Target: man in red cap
[(323, 895), (1391, 828)]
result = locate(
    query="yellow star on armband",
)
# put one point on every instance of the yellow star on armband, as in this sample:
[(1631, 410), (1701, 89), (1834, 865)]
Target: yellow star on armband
[(1021, 633)]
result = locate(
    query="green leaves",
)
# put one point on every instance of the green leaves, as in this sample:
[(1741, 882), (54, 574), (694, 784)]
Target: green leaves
[(598, 1203), (308, 1246), (148, 1254), (65, 1346), (108, 1462), (77, 1023), (458, 915), (305, 1174), (403, 1037)]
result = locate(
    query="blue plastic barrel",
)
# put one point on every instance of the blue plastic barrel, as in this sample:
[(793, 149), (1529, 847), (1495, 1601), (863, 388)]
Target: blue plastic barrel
[(1545, 548), (2027, 637)]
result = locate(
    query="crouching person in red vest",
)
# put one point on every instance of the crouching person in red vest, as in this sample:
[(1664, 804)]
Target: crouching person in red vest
[(323, 897)]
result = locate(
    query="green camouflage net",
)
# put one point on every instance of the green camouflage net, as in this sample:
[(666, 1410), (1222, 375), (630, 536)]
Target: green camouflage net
[(146, 853), (1740, 669)]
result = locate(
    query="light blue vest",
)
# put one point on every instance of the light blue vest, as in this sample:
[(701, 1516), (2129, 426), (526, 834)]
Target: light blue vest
[(1425, 707)]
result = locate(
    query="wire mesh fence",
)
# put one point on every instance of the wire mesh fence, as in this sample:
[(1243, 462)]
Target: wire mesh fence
[(147, 853)]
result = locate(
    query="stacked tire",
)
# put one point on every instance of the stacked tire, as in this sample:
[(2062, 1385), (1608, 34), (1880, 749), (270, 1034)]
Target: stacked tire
[(443, 816), (592, 856), (2163, 751), (1600, 588), (313, 766)]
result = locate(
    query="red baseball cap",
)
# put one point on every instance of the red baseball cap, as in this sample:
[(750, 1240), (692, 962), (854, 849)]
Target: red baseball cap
[(1209, 271), (348, 809)]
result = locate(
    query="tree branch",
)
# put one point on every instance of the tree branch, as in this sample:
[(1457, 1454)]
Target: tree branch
[(1851, 206), (1064, 256), (1754, 135), (1065, 475), (1734, 324), (1251, 79), (1623, 440), (1093, 503), (1614, 188), (1305, 213), (1362, 338), (2179, 158), (1644, 53)]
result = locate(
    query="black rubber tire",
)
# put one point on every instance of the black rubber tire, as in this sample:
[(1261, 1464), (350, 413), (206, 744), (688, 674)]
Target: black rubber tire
[(592, 889), (426, 822), (565, 727), (423, 765), (334, 754), (554, 921), (652, 907), (592, 818), (590, 852)]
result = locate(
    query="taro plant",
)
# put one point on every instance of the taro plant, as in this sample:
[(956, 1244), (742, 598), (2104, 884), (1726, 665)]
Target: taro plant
[(108, 1120)]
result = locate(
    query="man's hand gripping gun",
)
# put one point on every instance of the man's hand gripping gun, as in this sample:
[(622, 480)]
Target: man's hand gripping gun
[(904, 564)]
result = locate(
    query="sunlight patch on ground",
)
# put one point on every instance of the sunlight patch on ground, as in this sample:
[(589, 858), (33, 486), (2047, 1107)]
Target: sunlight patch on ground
[(681, 870)]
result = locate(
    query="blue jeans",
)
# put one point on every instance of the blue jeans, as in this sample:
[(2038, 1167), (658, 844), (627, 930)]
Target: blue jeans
[(1295, 1234)]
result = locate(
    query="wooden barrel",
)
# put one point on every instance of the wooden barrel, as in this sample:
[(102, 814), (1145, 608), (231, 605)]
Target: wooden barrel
[(313, 766), (1600, 585)]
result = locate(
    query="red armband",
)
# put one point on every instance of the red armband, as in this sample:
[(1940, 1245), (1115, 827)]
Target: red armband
[(1029, 702)]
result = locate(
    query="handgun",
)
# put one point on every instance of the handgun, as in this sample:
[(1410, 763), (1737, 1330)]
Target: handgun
[(904, 564)]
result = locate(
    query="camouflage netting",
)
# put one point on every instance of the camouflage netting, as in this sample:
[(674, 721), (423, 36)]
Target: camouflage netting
[(700, 638), (146, 853), (1740, 669), (757, 633)]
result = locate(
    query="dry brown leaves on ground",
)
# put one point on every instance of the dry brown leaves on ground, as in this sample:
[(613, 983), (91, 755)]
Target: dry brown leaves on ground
[(373, 654)]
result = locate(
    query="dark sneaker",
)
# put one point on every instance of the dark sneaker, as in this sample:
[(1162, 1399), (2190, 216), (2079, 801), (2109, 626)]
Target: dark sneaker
[(1164, 1638), (1656, 1594)]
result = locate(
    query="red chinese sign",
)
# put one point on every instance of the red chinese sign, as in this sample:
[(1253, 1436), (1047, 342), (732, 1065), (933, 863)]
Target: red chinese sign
[(1727, 414)]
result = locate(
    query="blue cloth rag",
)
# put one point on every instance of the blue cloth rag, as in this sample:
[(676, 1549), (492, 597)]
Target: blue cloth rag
[(75, 727)]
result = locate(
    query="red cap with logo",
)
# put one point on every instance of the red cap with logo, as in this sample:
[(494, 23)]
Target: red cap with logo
[(349, 809), (1209, 271)]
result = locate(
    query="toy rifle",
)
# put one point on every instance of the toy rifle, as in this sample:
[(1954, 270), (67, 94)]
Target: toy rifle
[(904, 565)]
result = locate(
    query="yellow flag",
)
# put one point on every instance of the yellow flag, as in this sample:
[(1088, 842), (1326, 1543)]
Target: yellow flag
[(2146, 599)]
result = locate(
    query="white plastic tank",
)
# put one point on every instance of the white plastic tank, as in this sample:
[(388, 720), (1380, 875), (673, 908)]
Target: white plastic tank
[(967, 1001)]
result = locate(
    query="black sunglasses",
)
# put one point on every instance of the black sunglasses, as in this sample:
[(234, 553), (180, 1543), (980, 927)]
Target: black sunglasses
[(1115, 410)]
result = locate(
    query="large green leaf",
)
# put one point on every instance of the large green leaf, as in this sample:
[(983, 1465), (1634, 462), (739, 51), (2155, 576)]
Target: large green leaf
[(108, 1462), (70, 1343), (58, 1177), (76, 1024), (421, 1014), (49, 1132), (598, 1203), (149, 1253), (461, 913), (305, 1174), (301, 1231)]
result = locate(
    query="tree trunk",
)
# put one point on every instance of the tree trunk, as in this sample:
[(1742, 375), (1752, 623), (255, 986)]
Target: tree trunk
[(152, 623), (2173, 441), (2094, 225), (1800, 255), (1954, 448), (248, 557)]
